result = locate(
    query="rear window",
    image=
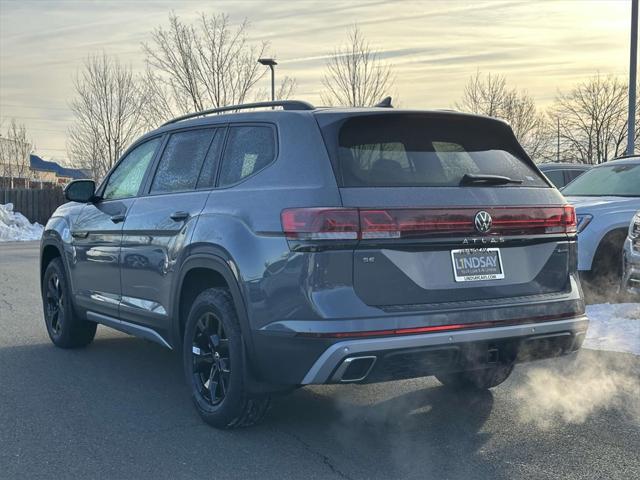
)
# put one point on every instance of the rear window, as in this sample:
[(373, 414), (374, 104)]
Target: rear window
[(410, 150)]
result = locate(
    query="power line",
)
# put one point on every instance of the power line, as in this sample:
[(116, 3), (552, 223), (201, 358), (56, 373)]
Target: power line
[(16, 105), (41, 119)]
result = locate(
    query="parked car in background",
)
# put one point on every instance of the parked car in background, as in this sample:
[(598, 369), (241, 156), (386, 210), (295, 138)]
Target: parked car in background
[(561, 173), (606, 198), (281, 248), (631, 258)]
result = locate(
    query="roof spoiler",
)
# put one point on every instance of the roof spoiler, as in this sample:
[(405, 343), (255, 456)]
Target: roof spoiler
[(384, 103)]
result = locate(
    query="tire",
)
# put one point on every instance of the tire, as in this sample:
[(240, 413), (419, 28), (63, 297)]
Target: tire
[(476, 379), (215, 364), (64, 327), (601, 283)]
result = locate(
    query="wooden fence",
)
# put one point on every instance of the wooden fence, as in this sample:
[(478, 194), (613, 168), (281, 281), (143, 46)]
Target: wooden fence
[(36, 205)]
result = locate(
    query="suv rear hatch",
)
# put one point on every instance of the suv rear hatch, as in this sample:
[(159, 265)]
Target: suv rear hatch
[(447, 208)]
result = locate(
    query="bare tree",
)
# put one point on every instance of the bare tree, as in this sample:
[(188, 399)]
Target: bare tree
[(355, 74), (109, 110), (285, 91), (593, 120), (208, 64), (490, 95), (15, 148)]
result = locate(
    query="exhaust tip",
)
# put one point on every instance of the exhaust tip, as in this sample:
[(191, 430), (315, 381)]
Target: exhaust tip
[(354, 369)]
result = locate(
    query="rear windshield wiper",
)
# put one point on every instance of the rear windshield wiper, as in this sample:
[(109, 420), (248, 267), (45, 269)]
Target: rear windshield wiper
[(471, 179)]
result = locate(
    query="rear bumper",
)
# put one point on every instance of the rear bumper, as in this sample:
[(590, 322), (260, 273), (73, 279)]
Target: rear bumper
[(430, 353)]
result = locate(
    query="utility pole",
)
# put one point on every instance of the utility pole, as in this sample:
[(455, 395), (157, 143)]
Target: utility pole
[(558, 144), (633, 61)]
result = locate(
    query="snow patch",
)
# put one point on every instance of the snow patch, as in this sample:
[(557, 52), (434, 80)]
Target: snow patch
[(614, 327), (14, 227)]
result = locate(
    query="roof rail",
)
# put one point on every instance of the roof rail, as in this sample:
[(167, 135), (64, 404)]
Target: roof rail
[(285, 104)]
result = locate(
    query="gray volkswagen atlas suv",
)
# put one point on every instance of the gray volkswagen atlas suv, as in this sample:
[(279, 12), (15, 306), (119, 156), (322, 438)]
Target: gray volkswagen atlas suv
[(278, 245)]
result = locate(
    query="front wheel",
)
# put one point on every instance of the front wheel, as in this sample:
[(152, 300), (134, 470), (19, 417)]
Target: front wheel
[(477, 379), (214, 363), (64, 327)]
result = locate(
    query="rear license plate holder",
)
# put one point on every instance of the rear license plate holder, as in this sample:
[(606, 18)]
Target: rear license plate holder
[(477, 264)]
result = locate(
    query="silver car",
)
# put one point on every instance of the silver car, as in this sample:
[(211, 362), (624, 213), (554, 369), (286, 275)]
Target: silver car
[(606, 198)]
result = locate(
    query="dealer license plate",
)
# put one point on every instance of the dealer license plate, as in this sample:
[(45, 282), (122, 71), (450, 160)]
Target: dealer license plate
[(475, 264)]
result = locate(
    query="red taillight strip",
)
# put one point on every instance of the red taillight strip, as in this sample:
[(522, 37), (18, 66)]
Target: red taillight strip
[(337, 223), (437, 328)]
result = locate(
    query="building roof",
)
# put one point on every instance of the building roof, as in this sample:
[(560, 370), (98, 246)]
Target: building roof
[(37, 163)]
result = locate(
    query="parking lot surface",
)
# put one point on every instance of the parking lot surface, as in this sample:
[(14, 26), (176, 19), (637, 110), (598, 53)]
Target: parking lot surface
[(119, 409)]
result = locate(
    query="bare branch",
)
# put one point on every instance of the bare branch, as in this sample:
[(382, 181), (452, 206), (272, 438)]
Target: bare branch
[(109, 109), (202, 65), (593, 119), (489, 95), (355, 74)]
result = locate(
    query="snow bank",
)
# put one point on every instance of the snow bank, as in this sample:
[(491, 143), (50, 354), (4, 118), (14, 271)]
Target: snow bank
[(15, 227), (614, 327)]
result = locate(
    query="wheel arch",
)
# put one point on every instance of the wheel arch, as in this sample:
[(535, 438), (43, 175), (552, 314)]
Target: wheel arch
[(608, 237), (207, 270), (49, 250)]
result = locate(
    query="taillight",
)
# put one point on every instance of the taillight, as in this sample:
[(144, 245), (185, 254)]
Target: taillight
[(570, 219), (320, 223), (394, 223)]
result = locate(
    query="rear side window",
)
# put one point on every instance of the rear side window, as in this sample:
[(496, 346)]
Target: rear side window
[(413, 150), (248, 150), (573, 174), (556, 177), (183, 159)]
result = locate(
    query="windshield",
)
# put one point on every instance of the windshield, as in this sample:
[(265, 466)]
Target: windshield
[(616, 180), (410, 150)]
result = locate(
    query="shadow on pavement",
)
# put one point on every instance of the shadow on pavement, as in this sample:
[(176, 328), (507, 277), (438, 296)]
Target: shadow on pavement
[(105, 397)]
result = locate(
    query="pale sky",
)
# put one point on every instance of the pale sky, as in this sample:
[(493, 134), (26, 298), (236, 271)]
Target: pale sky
[(434, 46)]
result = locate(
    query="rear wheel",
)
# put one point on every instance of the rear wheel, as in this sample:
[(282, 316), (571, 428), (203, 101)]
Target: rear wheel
[(477, 379), (64, 327), (214, 363)]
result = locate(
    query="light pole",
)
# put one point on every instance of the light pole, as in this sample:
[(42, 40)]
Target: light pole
[(633, 60), (271, 63)]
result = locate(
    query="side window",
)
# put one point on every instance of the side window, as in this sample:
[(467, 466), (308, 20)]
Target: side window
[(572, 174), (182, 160), (125, 180), (556, 177), (249, 149), (209, 169)]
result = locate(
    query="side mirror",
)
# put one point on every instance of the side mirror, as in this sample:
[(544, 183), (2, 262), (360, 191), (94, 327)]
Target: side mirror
[(82, 191)]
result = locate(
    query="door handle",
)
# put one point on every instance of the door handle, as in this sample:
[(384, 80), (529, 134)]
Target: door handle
[(118, 218), (78, 234), (179, 216)]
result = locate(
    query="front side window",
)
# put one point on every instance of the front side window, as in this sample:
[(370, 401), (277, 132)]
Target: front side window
[(249, 149), (411, 150), (621, 180), (182, 160), (126, 179)]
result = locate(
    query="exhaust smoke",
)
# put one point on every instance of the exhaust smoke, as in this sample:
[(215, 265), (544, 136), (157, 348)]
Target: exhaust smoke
[(571, 390)]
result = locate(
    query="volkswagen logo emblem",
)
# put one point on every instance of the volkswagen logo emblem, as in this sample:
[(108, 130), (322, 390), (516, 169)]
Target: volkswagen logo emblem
[(482, 221)]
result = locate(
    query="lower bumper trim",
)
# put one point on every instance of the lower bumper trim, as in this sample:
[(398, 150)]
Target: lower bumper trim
[(322, 369)]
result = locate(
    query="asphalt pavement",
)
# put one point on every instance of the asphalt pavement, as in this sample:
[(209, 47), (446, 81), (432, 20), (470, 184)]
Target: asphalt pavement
[(120, 409)]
